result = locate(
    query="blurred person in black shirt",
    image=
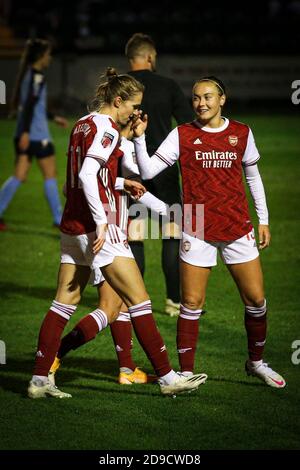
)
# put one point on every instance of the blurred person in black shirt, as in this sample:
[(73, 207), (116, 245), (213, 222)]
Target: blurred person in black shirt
[(163, 100)]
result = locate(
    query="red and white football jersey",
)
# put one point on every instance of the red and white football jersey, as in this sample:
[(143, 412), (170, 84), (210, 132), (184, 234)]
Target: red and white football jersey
[(211, 162), (95, 135)]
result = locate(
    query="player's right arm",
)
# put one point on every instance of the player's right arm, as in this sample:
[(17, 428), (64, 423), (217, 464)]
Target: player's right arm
[(255, 184), (88, 178), (97, 155), (166, 154)]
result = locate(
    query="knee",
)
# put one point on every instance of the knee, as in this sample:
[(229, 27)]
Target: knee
[(257, 302), (193, 303), (137, 299), (74, 299), (111, 317), (111, 311), (21, 174), (22, 178), (68, 298)]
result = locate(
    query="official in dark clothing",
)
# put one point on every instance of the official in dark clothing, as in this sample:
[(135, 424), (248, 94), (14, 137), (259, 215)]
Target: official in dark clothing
[(163, 100)]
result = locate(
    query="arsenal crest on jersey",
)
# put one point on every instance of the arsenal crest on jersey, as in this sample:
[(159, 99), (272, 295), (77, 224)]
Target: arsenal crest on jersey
[(233, 140), (186, 245), (107, 139)]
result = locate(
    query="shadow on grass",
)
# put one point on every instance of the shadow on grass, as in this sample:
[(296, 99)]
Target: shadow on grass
[(73, 369), (241, 382), (10, 289), (86, 370), (34, 230)]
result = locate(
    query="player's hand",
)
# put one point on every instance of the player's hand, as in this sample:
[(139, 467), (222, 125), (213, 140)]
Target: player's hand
[(61, 121), (100, 238), (23, 143), (140, 125), (134, 188), (264, 236)]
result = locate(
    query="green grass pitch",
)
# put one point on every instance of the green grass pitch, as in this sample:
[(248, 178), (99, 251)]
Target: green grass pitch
[(231, 411)]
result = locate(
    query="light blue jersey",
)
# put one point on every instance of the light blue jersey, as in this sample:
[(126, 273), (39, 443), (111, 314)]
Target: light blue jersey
[(32, 112)]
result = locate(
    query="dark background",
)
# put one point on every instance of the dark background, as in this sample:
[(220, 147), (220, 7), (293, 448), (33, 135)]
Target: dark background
[(256, 27), (241, 39)]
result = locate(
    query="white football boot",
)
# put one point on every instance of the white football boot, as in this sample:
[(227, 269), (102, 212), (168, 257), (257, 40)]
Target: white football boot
[(265, 373), (182, 384), (39, 390)]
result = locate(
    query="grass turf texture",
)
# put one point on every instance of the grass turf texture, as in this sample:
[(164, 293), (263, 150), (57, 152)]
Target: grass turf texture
[(231, 411)]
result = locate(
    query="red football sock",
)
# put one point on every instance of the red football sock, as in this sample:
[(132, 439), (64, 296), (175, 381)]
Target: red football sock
[(187, 336), (49, 337), (121, 331), (256, 327), (149, 337), (83, 332)]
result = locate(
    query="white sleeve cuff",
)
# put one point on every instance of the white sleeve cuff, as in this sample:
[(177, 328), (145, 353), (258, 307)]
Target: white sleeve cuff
[(119, 184)]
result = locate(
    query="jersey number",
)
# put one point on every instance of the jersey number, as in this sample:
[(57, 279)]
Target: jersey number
[(75, 166)]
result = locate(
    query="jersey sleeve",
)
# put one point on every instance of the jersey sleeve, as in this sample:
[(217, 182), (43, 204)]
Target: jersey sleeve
[(168, 151), (154, 204), (104, 143), (129, 165), (166, 155), (254, 181), (251, 155), (88, 178)]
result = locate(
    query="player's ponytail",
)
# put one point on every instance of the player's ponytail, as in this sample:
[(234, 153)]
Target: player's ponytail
[(113, 85)]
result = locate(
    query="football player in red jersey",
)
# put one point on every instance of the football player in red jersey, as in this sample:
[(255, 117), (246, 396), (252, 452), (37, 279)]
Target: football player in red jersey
[(92, 238), (121, 328), (213, 153)]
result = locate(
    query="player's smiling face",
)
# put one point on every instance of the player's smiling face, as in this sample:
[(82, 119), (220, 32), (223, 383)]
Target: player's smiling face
[(128, 108), (207, 102)]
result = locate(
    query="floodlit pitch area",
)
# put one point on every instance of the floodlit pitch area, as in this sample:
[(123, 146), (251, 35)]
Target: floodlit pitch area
[(231, 411)]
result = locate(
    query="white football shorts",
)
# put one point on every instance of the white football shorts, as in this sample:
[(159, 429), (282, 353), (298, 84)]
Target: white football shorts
[(96, 277), (78, 249), (201, 253)]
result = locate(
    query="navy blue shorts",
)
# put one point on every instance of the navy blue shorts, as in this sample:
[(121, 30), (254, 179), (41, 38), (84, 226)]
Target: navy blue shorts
[(37, 148)]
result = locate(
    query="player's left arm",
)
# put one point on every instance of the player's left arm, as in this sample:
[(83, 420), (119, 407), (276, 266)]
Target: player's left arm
[(166, 155), (254, 181), (154, 204), (255, 184)]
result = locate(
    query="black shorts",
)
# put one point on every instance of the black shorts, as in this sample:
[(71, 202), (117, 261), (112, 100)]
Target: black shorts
[(37, 148)]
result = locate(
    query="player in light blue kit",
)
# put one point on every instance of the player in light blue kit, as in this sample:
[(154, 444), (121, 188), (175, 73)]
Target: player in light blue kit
[(32, 137)]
